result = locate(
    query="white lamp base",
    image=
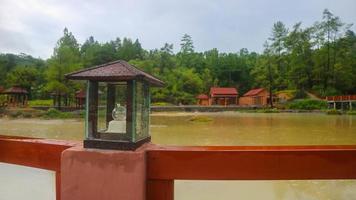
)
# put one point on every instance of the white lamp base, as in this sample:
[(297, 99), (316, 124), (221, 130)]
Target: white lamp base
[(116, 127)]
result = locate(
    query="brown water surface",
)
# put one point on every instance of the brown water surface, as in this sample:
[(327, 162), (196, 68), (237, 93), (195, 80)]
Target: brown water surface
[(228, 128)]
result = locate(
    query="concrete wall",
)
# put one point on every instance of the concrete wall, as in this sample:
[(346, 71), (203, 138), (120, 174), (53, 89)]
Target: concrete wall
[(103, 174)]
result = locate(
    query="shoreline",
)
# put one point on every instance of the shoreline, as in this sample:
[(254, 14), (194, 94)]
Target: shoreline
[(161, 112)]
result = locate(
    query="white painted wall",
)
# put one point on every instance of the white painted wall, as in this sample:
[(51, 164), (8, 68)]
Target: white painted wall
[(20, 182)]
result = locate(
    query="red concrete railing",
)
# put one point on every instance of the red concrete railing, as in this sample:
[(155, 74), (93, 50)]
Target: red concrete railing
[(166, 164), (38, 153), (341, 98)]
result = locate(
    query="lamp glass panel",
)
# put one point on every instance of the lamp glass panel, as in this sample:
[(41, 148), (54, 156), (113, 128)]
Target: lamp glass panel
[(142, 110)]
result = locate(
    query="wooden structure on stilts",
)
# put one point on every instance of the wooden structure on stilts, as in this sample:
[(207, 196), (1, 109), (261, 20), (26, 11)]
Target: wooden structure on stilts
[(341, 102)]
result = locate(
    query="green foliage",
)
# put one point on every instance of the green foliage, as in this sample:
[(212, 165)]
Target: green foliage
[(41, 102), (351, 112), (274, 110), (56, 114), (27, 115), (23, 76), (15, 114), (307, 104), (333, 112), (161, 104), (319, 58)]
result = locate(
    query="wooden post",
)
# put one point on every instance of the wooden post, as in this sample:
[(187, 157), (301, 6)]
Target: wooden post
[(350, 105), (92, 109), (110, 104)]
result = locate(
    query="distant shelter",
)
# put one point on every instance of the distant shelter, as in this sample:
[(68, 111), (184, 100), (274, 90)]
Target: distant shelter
[(16, 96), (255, 97), (80, 98)]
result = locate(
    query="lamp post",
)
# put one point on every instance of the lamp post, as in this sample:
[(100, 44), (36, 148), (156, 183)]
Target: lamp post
[(117, 105)]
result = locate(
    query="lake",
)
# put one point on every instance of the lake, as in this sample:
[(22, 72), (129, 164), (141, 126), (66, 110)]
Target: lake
[(228, 128)]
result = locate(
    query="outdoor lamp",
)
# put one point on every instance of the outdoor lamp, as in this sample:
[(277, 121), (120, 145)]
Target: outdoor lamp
[(117, 105)]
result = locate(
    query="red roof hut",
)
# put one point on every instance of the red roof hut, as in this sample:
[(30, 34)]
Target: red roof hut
[(80, 98), (255, 97), (223, 96), (16, 96), (202, 100)]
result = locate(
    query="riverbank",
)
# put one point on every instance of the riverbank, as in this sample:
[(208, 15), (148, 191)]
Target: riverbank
[(52, 113)]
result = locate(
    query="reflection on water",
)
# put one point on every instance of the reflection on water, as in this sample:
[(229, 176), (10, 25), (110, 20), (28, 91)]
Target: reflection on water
[(229, 128)]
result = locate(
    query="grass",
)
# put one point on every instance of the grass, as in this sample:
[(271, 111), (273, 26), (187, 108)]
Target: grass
[(41, 102), (351, 112), (161, 104), (56, 114), (307, 104), (333, 112), (15, 114), (268, 110)]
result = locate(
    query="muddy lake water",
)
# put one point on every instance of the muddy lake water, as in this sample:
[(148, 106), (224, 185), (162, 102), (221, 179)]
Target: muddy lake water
[(228, 128)]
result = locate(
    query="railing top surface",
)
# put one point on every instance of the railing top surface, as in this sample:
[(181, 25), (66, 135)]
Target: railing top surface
[(163, 148), (206, 162), (33, 152)]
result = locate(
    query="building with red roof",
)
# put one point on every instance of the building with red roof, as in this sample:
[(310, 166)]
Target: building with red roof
[(219, 96), (202, 100), (80, 98), (255, 97), (223, 96)]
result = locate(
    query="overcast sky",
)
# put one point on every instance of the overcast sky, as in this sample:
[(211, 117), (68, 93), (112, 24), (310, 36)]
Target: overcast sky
[(34, 26)]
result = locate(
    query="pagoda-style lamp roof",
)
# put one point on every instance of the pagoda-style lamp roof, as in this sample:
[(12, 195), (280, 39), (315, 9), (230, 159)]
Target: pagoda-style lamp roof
[(114, 71)]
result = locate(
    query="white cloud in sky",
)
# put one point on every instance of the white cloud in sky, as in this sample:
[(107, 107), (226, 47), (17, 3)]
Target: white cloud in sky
[(34, 26)]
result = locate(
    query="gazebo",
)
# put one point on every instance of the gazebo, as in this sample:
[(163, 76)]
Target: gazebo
[(16, 96), (80, 98)]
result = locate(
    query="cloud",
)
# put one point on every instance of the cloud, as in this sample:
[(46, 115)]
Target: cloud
[(34, 26)]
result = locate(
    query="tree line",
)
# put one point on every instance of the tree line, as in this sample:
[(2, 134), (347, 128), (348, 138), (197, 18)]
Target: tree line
[(319, 59)]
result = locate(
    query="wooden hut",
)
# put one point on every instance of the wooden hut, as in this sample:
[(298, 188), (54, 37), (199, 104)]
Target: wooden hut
[(202, 100), (80, 98), (223, 96), (255, 97), (16, 96)]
